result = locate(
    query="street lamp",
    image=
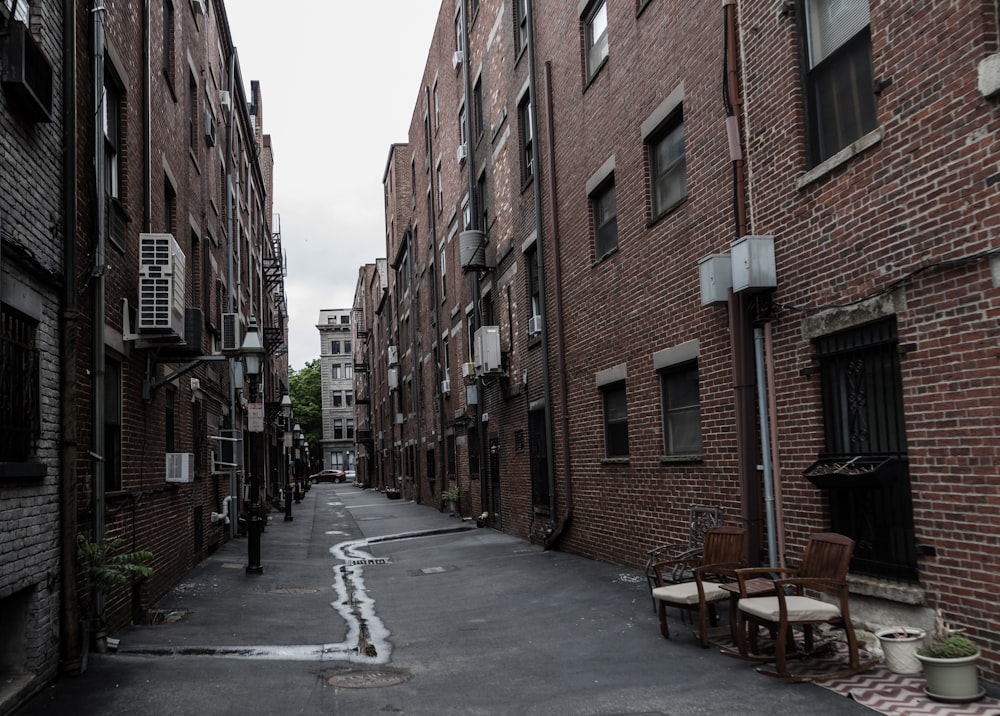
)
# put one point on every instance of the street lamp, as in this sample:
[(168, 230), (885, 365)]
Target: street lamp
[(252, 355), (286, 411)]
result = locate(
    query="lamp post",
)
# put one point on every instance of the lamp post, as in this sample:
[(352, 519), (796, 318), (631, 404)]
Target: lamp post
[(297, 438), (286, 411), (252, 354)]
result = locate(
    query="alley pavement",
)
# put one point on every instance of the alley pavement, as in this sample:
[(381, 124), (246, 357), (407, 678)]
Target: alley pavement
[(375, 606)]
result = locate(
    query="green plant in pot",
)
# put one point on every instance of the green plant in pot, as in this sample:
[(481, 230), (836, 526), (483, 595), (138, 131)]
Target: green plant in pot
[(449, 498), (950, 662), (107, 568)]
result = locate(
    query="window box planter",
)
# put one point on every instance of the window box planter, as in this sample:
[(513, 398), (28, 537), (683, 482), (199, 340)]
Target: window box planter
[(839, 471)]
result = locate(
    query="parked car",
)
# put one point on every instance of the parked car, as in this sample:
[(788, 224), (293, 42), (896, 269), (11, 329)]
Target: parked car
[(329, 475), (350, 476)]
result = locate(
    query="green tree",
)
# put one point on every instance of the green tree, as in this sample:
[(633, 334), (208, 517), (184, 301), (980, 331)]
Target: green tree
[(306, 390)]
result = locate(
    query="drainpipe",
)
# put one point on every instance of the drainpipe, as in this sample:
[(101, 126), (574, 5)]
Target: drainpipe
[(231, 289), (70, 646), (414, 362), (435, 277), (740, 307), (98, 271)]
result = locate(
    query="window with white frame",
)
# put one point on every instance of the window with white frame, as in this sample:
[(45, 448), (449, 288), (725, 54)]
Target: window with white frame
[(525, 124), (596, 36), (839, 84)]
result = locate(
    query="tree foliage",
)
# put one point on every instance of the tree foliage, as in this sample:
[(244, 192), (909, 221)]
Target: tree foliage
[(306, 390)]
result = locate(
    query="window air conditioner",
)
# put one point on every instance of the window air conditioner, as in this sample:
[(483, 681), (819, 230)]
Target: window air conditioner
[(460, 153), (469, 370), (161, 287), (446, 387), (534, 325), (225, 100), (393, 355), (393, 379), (457, 59), (180, 467), (26, 71), (230, 332)]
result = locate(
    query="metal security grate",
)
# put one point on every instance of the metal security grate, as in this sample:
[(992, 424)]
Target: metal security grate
[(19, 379)]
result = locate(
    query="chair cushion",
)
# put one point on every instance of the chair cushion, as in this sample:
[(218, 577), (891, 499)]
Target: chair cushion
[(800, 609), (687, 593)]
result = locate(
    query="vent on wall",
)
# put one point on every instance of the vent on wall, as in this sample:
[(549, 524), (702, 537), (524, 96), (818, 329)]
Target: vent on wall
[(230, 332)]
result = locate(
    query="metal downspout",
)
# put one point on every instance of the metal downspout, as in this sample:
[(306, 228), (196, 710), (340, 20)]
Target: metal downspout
[(739, 308), (415, 361), (230, 288), (70, 647), (435, 277), (98, 271)]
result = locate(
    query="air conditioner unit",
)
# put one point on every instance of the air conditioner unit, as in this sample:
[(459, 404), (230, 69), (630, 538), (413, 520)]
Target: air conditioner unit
[(399, 418), (489, 360), (200, 8), (230, 332), (225, 100), (209, 129), (161, 286), (393, 355), (457, 59), (534, 325), (393, 379), (180, 467), (446, 387), (468, 370), (460, 153), (27, 72)]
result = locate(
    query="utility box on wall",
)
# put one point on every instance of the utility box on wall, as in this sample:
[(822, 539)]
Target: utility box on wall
[(753, 264), (715, 274)]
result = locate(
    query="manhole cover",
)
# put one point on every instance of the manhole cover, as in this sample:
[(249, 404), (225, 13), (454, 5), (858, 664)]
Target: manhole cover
[(369, 560), (368, 678)]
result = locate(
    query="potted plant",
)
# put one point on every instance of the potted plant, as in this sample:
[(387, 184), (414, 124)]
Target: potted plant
[(950, 662), (899, 645), (106, 570), (450, 498)]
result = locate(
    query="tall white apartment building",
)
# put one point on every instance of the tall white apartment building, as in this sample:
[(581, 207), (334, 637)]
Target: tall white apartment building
[(337, 364)]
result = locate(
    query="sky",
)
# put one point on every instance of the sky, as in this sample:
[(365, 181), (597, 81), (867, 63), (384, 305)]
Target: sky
[(339, 80)]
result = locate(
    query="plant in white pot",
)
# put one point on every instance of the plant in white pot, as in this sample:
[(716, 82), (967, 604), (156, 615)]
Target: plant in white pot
[(951, 669), (899, 646)]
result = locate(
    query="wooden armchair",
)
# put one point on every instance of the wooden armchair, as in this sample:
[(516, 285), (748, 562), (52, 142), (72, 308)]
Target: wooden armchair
[(717, 561), (700, 521), (823, 570)]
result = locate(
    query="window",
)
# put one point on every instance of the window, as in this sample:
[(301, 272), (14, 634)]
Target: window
[(524, 116), (596, 26), (477, 108), (169, 426), (437, 108), (348, 371), (480, 198), (112, 425), (169, 207), (839, 86), (615, 420), (605, 219), (444, 274), (345, 320), (348, 398), (168, 41), (350, 428), (462, 136), (521, 24), (335, 347), (440, 189), (193, 124), (681, 410), (863, 416), (534, 287), (112, 122), (668, 166), (338, 428), (337, 398), (19, 386), (347, 347), (335, 371)]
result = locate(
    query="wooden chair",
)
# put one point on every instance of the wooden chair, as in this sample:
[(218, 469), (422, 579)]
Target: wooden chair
[(722, 552), (823, 570), (701, 520)]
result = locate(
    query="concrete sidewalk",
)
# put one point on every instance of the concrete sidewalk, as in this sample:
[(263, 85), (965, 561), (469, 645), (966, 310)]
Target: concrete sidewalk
[(375, 606)]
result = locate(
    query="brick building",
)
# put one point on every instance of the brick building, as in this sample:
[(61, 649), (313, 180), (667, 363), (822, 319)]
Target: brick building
[(34, 284), (648, 255), (137, 251)]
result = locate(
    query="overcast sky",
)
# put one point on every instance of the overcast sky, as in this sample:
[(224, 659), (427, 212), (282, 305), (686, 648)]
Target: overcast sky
[(339, 80)]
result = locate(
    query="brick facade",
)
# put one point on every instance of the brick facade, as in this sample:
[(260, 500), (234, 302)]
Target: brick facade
[(894, 228)]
